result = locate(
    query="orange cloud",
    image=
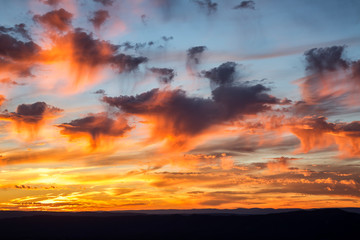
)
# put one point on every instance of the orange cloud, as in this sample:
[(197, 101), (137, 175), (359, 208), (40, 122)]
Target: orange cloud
[(317, 133), (84, 56), (279, 164), (2, 99)]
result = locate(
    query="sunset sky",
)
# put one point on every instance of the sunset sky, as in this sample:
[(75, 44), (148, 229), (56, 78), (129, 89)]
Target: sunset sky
[(179, 104)]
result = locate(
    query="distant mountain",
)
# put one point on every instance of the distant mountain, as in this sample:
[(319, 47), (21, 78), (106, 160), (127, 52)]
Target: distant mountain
[(299, 224), (238, 211)]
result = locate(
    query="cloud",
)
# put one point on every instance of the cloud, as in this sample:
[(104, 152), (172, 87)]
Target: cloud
[(126, 63), (77, 55), (100, 91), (244, 99), (99, 18), (224, 75), (96, 127), (105, 2), (17, 57), (325, 59), (356, 70), (53, 3), (194, 55), (87, 55), (18, 28), (331, 84), (279, 164), (13, 50), (31, 117), (314, 183), (9, 81), (318, 133), (2, 99), (165, 75), (144, 19), (207, 5), (33, 113), (245, 5), (136, 46), (166, 39), (175, 114), (56, 19), (18, 68)]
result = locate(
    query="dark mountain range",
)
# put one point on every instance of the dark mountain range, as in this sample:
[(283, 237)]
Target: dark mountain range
[(298, 224)]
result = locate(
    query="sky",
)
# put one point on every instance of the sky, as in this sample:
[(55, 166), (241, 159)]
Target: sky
[(179, 104)]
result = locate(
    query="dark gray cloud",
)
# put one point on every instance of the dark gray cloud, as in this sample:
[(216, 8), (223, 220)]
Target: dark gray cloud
[(53, 3), (99, 18), (17, 56), (126, 63), (319, 60), (89, 50), (192, 115), (127, 46), (38, 109), (31, 113), (193, 59), (18, 28), (166, 39), (95, 126), (165, 75), (100, 91), (13, 49), (56, 19), (349, 129), (134, 46), (194, 54), (243, 99), (245, 5), (144, 19), (224, 75), (105, 2), (207, 5), (331, 82)]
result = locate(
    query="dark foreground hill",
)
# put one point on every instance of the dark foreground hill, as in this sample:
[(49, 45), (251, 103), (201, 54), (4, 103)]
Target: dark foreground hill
[(314, 224)]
